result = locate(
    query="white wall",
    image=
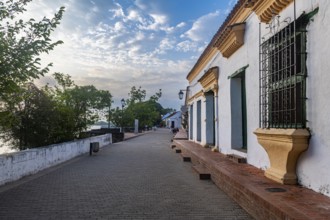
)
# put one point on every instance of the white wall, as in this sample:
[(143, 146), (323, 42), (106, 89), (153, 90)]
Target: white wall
[(16, 165), (313, 166), (248, 54)]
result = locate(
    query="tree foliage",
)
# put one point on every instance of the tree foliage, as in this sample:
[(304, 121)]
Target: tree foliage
[(136, 95), (35, 117), (29, 120), (21, 44), (29, 116), (82, 101), (148, 112)]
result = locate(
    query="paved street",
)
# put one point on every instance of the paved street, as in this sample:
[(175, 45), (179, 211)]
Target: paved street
[(141, 178)]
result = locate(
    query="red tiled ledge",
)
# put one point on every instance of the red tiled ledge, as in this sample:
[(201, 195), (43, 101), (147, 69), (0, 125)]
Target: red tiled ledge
[(259, 196)]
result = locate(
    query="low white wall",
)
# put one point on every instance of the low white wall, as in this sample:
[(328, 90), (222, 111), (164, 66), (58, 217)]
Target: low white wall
[(16, 165)]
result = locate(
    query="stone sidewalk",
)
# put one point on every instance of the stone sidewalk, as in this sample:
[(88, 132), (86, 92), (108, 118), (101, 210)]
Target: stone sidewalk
[(138, 178)]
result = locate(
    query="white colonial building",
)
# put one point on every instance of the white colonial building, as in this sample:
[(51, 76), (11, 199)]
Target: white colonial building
[(172, 120), (260, 90)]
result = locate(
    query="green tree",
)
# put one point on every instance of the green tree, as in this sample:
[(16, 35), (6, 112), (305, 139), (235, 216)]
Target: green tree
[(157, 96), (136, 95), (148, 112), (21, 44), (33, 117), (24, 109), (121, 117), (83, 101), (29, 120)]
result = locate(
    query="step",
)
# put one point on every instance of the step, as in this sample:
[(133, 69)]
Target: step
[(185, 157), (202, 171), (236, 158), (177, 150), (173, 146)]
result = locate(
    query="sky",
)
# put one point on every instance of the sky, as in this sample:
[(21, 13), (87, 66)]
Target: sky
[(117, 44)]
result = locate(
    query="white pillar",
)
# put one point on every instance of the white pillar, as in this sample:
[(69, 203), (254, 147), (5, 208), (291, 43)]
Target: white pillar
[(216, 120)]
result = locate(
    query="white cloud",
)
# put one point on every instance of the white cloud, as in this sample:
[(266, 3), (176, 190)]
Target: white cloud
[(154, 22), (186, 46), (95, 9), (230, 6), (165, 45), (133, 15), (116, 11), (134, 51), (140, 4), (129, 46), (119, 26), (159, 19), (204, 26), (231, 3), (140, 36), (151, 36), (90, 14), (180, 25)]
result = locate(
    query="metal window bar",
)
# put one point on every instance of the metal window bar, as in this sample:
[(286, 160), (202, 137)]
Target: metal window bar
[(282, 76)]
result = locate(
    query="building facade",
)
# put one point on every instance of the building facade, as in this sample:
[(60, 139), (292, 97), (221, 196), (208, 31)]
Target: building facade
[(173, 120), (259, 90)]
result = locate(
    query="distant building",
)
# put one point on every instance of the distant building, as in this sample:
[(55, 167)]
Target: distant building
[(260, 90), (172, 120)]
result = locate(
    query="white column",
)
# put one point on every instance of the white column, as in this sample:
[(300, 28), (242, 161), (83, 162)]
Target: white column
[(216, 120)]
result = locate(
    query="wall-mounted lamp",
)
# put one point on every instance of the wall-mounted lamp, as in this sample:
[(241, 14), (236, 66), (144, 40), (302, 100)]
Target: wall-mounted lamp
[(181, 94)]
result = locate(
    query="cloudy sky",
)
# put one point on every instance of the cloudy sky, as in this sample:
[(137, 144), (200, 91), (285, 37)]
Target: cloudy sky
[(117, 44)]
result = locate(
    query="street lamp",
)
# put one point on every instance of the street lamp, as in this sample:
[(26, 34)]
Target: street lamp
[(109, 118), (122, 114), (181, 94), (122, 103), (184, 112)]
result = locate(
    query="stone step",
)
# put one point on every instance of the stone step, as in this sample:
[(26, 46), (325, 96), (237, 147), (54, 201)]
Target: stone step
[(236, 158), (185, 157), (202, 171)]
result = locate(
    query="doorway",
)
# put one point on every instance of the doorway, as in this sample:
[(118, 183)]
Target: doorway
[(210, 116), (238, 110)]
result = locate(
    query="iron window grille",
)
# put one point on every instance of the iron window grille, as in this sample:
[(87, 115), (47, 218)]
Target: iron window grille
[(282, 75)]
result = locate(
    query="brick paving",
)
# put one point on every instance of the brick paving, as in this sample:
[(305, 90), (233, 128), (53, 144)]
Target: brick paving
[(140, 178)]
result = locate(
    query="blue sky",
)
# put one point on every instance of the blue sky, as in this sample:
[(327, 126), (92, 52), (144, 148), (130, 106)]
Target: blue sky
[(117, 44)]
